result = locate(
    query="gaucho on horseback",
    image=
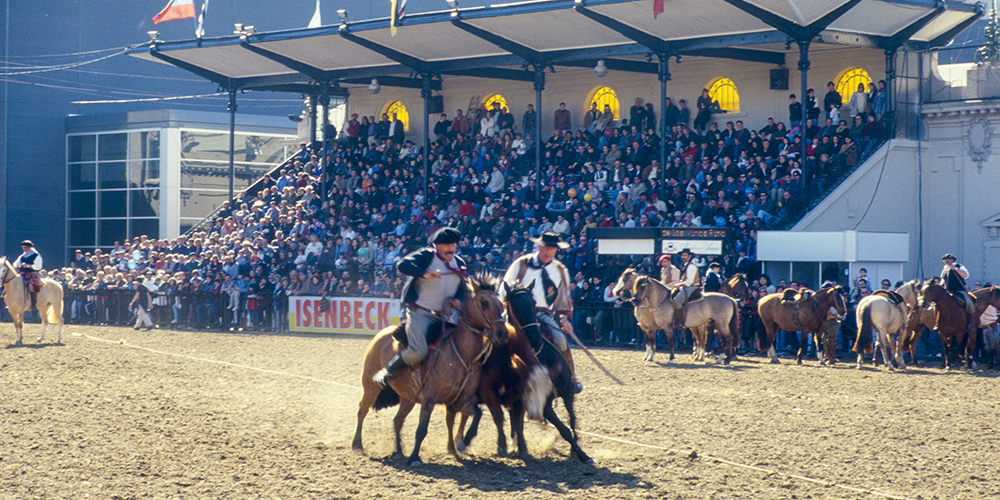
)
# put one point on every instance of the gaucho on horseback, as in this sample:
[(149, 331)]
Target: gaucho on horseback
[(435, 281), (28, 265), (953, 277)]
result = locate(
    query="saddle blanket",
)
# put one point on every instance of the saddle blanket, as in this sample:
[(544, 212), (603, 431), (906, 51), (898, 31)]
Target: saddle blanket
[(33, 281)]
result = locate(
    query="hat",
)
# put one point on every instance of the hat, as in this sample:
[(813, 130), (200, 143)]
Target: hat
[(354, 115), (714, 264), (550, 239), (446, 235), (687, 251), (946, 256), (27, 243), (663, 258), (654, 196)]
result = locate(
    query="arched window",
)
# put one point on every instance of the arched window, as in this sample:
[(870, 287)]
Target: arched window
[(723, 91), (495, 98), (602, 96), (400, 110), (847, 82)]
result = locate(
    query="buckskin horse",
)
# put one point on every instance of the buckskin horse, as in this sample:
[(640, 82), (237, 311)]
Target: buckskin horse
[(512, 377), (702, 310), (885, 314), (449, 375), (49, 301), (917, 319), (950, 322), (805, 316), (737, 288), (647, 296)]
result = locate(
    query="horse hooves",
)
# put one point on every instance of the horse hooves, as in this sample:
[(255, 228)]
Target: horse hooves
[(799, 362), (670, 361), (775, 361), (18, 343), (460, 444), (416, 463), (502, 451)]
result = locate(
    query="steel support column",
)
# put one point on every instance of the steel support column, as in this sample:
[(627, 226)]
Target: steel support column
[(232, 145), (539, 87), (313, 101), (425, 93), (326, 139), (664, 77), (804, 72), (890, 80)]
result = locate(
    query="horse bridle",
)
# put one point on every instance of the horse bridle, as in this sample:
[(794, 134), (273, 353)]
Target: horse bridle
[(513, 317), (486, 331), (12, 278)]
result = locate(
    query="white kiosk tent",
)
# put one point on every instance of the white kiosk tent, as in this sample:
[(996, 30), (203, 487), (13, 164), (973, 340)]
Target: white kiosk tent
[(813, 257)]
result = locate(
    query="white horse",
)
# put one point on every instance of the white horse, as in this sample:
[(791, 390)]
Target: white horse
[(876, 312), (49, 301)]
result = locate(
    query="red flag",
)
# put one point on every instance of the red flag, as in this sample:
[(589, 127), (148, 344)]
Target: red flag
[(657, 8)]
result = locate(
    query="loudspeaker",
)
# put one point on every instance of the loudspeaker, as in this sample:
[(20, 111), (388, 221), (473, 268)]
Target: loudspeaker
[(779, 79), (436, 103)]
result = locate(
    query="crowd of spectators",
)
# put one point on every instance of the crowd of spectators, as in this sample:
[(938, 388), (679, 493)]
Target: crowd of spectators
[(285, 236)]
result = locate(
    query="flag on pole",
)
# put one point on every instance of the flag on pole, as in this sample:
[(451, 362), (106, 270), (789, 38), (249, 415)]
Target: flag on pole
[(199, 32), (397, 15), (316, 20), (175, 9), (657, 8)]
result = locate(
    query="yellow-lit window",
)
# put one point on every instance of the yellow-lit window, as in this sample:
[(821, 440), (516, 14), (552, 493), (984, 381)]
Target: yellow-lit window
[(602, 96), (495, 98), (848, 81), (400, 110), (723, 91)]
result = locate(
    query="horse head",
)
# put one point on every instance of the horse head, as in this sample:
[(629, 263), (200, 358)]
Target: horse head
[(484, 311), (739, 286), (838, 301), (930, 291), (520, 306), (625, 284)]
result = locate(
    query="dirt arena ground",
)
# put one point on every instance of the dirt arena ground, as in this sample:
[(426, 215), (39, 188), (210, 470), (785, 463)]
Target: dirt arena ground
[(119, 414)]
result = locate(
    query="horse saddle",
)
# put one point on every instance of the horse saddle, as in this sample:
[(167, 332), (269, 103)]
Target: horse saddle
[(958, 297), (437, 331), (796, 296), (696, 294), (893, 297)]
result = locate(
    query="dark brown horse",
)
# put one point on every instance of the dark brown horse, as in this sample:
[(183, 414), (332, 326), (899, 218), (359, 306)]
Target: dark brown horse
[(805, 316), (737, 288), (917, 319), (512, 377), (449, 375), (950, 323)]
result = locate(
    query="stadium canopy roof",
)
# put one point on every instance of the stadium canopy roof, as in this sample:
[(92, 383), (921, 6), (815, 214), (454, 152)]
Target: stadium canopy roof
[(513, 41)]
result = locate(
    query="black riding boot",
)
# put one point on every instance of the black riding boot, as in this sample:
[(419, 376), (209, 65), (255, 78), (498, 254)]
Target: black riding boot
[(34, 300), (382, 378)]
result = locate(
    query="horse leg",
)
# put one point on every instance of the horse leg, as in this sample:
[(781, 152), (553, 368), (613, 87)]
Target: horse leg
[(43, 314), (565, 432), (803, 338), (425, 419), (672, 340), (466, 438), (649, 335), (449, 420), (363, 406), (517, 412), (883, 339), (57, 309), (18, 318), (405, 407)]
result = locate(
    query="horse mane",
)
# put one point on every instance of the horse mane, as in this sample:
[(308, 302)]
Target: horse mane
[(486, 282), (517, 287)]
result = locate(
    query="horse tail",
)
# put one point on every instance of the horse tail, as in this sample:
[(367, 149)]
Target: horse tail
[(734, 327), (386, 399), (865, 332)]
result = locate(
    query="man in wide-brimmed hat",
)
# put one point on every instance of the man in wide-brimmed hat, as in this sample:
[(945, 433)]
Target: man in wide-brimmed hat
[(435, 281), (954, 275), (550, 287)]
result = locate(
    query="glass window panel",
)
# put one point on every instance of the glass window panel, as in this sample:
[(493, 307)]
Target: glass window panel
[(112, 147), (111, 175), (212, 175), (247, 148), (82, 148), (112, 230), (82, 233), (186, 225), (142, 174), (724, 92), (144, 145), (602, 96), (144, 227), (83, 176), (144, 202), (198, 204), (112, 204), (83, 205)]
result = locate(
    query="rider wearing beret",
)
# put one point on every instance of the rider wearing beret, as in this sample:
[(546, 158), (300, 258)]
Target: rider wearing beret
[(28, 265), (435, 280)]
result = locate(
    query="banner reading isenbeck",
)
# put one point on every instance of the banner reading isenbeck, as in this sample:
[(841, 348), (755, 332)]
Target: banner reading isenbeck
[(356, 315)]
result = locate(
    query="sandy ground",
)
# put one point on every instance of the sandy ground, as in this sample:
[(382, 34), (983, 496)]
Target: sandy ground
[(119, 414)]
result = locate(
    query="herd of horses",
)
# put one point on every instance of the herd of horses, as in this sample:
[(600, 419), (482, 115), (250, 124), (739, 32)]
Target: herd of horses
[(497, 355)]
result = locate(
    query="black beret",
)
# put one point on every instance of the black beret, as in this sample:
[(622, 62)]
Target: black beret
[(446, 235)]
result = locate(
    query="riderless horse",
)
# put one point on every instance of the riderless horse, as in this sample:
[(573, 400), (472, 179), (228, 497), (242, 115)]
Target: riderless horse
[(885, 313), (513, 377), (806, 314), (449, 375), (737, 287), (49, 301)]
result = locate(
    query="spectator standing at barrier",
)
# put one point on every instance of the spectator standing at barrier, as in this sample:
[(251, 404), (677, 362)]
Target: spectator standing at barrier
[(561, 120), (141, 303), (713, 280)]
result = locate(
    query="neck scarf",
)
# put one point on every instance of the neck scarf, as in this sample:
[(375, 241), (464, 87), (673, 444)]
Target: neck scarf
[(459, 271)]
